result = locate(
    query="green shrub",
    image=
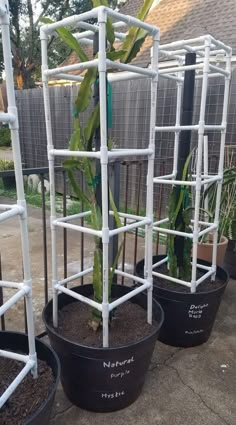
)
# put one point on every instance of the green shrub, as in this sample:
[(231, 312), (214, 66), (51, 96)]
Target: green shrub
[(5, 137), (6, 164)]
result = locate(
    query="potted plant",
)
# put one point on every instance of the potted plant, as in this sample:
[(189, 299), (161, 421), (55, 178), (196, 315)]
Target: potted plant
[(226, 219), (94, 376), (190, 290), (9, 181)]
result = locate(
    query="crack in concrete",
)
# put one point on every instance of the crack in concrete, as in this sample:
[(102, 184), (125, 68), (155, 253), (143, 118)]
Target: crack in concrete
[(53, 418), (197, 394)]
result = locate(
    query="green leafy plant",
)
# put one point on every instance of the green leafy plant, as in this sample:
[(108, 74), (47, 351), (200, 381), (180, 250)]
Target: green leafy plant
[(6, 164), (82, 137), (179, 214), (5, 137), (227, 219)]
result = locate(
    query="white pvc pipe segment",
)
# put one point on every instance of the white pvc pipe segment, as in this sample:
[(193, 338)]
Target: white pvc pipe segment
[(75, 276), (160, 180), (7, 117), (13, 300), (76, 67), (118, 65), (71, 21), (14, 356), (159, 263), (130, 276), (173, 232), (128, 296), (199, 165), (76, 154), (79, 297), (12, 285), (102, 68), (73, 217), (9, 214), (48, 121), (131, 21), (78, 228), (172, 279), (129, 152), (12, 387), (204, 277), (208, 230), (221, 161), (131, 226)]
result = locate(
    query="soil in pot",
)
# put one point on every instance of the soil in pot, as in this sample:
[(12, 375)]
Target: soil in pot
[(129, 325), (31, 403), (30, 394), (189, 318), (94, 377), (206, 286)]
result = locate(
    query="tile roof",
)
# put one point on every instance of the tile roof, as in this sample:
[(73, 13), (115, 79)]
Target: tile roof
[(179, 19)]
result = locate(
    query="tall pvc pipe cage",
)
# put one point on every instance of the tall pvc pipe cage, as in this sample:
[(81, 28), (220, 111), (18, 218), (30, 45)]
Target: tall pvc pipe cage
[(22, 289), (213, 60), (100, 15)]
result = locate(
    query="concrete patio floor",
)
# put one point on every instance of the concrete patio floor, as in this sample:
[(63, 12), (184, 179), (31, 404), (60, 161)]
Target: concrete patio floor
[(195, 386)]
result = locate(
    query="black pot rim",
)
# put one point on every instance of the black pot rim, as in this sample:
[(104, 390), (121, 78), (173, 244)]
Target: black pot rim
[(206, 263), (101, 349), (55, 383)]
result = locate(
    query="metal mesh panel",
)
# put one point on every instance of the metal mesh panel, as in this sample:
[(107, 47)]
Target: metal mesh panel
[(130, 129)]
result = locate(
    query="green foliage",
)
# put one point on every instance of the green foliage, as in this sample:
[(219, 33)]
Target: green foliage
[(5, 137), (227, 219), (82, 140), (6, 164), (136, 36), (68, 39), (180, 200)]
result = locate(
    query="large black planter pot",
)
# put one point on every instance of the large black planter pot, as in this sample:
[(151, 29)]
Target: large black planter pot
[(189, 318), (19, 342), (230, 259), (103, 379)]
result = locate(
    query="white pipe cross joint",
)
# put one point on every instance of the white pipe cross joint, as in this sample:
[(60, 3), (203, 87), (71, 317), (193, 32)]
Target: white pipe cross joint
[(105, 235), (27, 287), (195, 236), (14, 124), (104, 155), (105, 311)]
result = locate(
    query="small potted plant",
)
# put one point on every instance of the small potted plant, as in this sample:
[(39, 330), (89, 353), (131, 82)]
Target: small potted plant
[(9, 181), (96, 376), (226, 230)]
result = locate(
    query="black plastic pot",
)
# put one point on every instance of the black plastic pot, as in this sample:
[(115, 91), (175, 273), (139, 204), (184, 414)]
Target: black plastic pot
[(19, 342), (103, 379), (189, 318), (230, 259)]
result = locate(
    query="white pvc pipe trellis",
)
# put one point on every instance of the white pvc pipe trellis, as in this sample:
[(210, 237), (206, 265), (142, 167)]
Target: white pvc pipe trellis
[(206, 47), (24, 289), (103, 64)]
